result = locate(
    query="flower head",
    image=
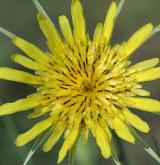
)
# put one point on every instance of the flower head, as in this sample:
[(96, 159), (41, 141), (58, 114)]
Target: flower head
[(82, 85)]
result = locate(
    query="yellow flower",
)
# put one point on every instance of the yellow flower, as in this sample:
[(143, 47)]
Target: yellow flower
[(82, 85)]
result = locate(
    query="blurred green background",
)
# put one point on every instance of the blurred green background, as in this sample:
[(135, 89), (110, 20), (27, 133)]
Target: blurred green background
[(19, 17)]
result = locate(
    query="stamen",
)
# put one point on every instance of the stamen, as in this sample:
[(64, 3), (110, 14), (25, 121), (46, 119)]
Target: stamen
[(7, 33)]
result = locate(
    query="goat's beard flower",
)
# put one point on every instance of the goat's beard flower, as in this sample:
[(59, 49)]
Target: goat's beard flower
[(83, 85)]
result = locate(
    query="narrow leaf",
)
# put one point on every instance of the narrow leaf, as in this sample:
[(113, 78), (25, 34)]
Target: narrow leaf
[(7, 33), (41, 10), (114, 155), (119, 7), (155, 30), (157, 113), (118, 10), (38, 142), (145, 146)]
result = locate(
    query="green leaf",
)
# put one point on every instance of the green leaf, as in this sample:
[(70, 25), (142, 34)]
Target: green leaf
[(120, 6), (38, 142), (41, 10), (155, 30), (145, 146), (72, 151), (114, 155), (7, 33), (156, 113), (155, 144)]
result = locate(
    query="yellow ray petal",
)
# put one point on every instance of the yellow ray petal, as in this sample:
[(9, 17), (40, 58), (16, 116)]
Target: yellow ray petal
[(58, 131), (50, 32), (70, 140), (144, 104), (26, 62), (109, 22), (137, 39), (39, 111), (141, 92), (135, 121), (78, 21), (20, 105), (33, 132), (98, 32), (122, 130), (30, 49), (105, 127), (85, 133), (102, 139), (145, 64), (18, 76), (148, 75), (66, 29)]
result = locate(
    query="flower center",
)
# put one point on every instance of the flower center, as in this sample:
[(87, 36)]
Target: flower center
[(87, 86)]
